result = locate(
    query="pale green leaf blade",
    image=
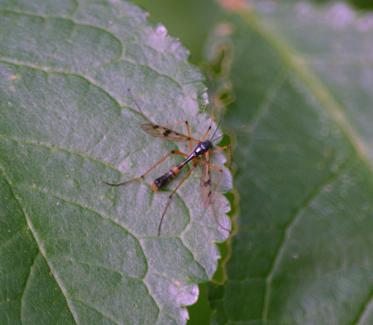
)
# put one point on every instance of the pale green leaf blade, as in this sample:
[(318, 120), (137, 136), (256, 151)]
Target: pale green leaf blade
[(72, 249)]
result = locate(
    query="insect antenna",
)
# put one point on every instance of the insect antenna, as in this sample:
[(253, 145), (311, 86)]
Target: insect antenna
[(213, 139), (218, 138), (216, 129)]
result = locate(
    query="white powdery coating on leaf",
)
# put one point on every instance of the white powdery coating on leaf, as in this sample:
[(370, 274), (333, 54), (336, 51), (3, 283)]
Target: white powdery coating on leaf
[(365, 24), (205, 99), (159, 40), (161, 31), (338, 15)]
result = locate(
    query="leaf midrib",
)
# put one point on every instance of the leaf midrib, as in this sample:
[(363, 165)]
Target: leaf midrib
[(315, 86)]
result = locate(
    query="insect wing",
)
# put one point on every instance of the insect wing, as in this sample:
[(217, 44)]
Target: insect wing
[(164, 132)]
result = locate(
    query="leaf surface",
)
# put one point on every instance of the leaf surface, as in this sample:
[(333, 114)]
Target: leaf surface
[(302, 78), (72, 249)]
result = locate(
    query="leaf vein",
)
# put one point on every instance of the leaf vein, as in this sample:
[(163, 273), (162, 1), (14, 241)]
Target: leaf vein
[(74, 22), (100, 214), (90, 80), (316, 87), (53, 147), (25, 286), (288, 230), (268, 99), (106, 31), (359, 318), (39, 243), (95, 309)]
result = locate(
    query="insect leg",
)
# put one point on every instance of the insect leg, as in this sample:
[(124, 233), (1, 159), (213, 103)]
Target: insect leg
[(172, 152), (206, 133), (220, 171), (190, 142), (187, 174), (206, 181), (207, 192), (189, 134), (227, 147)]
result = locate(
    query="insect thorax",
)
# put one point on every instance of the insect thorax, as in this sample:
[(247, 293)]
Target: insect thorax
[(203, 147)]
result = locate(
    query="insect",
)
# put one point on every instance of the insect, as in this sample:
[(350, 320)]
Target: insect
[(199, 154)]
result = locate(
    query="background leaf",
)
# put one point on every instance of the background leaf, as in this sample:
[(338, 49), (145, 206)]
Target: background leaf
[(302, 78), (72, 249)]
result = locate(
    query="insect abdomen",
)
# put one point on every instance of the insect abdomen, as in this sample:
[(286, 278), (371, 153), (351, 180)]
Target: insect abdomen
[(161, 181)]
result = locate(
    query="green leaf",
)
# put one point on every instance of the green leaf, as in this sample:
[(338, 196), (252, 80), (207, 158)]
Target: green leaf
[(302, 77), (72, 249)]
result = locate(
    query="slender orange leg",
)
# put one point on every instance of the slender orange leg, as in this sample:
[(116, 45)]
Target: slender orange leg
[(206, 134), (217, 184), (190, 142), (208, 181), (189, 134), (177, 123), (208, 202), (222, 148), (187, 174), (220, 171), (228, 147), (172, 152)]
